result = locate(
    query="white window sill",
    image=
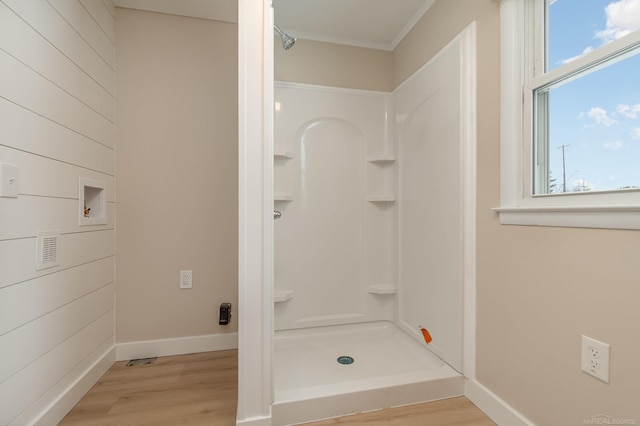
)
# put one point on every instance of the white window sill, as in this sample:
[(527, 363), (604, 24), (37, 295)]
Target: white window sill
[(609, 217)]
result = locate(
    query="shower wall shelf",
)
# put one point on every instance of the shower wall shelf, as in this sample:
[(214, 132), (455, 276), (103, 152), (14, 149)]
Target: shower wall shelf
[(381, 289), (381, 198), (382, 159), (283, 197), (282, 295), (282, 155)]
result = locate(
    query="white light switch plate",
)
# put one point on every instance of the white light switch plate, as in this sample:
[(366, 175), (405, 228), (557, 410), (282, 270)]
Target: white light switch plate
[(9, 180)]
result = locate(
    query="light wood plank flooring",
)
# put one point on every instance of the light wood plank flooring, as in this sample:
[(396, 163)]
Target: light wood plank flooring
[(197, 389), (201, 389), (454, 411)]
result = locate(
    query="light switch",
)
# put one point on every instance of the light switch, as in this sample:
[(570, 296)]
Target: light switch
[(9, 184)]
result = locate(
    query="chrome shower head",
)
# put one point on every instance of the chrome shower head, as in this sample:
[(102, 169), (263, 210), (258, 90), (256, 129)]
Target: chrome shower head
[(287, 40)]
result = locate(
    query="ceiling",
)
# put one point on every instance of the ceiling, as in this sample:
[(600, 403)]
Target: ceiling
[(378, 24)]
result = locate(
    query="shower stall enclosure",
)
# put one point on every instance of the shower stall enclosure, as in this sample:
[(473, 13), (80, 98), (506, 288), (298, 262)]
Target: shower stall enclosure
[(374, 245)]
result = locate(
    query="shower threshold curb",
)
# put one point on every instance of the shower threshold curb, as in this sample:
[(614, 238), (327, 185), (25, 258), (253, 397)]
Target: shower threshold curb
[(343, 404)]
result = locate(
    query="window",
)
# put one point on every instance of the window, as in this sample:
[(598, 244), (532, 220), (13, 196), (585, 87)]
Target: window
[(570, 113)]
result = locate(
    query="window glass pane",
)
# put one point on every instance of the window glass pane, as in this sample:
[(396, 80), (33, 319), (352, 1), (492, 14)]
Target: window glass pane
[(576, 27), (594, 122)]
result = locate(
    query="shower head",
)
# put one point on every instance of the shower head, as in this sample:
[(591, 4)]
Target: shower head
[(287, 40)]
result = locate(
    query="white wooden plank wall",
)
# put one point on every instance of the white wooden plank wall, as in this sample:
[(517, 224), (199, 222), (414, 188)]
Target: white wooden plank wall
[(57, 62)]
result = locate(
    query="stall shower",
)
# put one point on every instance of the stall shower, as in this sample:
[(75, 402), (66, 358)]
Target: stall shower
[(370, 246)]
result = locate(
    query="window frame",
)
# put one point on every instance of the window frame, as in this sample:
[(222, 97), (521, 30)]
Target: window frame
[(522, 24)]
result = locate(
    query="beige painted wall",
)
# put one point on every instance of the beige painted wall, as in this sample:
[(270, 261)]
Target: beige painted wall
[(177, 172), (328, 64), (539, 288)]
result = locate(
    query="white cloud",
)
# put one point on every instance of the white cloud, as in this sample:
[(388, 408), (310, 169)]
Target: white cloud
[(623, 17), (613, 146), (601, 117), (629, 111), (588, 49), (635, 133)]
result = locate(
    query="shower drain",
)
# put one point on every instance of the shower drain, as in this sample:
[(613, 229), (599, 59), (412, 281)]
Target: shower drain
[(345, 360)]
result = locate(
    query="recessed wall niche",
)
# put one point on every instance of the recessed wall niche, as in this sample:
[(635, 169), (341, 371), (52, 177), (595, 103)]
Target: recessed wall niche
[(92, 202)]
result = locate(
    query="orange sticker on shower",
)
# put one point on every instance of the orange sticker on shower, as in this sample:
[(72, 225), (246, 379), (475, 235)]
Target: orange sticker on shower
[(426, 334)]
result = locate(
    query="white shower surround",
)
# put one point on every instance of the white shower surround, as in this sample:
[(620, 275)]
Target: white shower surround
[(370, 185), (256, 194), (377, 192)]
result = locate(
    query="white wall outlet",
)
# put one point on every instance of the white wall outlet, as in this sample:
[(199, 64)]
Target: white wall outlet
[(185, 279), (8, 180), (595, 358)]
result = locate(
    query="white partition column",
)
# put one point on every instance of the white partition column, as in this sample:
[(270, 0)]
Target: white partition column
[(255, 222)]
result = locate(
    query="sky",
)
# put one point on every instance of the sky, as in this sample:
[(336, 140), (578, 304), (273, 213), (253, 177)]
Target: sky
[(597, 117)]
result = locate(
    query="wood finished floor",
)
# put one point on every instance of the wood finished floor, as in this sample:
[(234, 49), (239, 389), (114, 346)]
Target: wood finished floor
[(201, 389)]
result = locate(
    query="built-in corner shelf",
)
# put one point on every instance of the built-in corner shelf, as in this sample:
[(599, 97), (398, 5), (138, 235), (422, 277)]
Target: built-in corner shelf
[(282, 295), (381, 158), (383, 198), (383, 289), (283, 197), (282, 154)]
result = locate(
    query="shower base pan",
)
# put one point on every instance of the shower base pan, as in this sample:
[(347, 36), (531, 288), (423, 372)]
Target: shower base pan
[(314, 378)]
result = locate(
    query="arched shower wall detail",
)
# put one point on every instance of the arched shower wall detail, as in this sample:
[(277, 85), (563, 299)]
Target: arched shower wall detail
[(332, 243)]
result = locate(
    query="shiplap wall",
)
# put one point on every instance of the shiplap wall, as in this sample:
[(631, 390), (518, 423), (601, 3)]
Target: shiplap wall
[(57, 69)]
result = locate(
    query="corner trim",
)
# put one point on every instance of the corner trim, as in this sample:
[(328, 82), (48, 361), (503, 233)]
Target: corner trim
[(177, 346), (494, 406)]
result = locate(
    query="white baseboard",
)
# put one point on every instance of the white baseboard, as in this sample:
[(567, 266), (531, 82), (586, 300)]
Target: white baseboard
[(177, 346), (494, 406), (61, 398), (257, 421)]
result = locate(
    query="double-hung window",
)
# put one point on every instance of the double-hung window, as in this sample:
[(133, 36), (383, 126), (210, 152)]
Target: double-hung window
[(570, 113)]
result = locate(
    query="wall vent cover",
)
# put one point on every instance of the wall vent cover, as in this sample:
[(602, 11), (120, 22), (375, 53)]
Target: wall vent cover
[(47, 249)]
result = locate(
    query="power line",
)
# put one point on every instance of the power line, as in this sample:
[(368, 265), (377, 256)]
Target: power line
[(564, 169)]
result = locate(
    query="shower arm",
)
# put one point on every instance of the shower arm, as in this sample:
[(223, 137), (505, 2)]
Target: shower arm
[(287, 40)]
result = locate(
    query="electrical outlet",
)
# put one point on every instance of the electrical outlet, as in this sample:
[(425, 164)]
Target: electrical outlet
[(595, 358), (186, 279)]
